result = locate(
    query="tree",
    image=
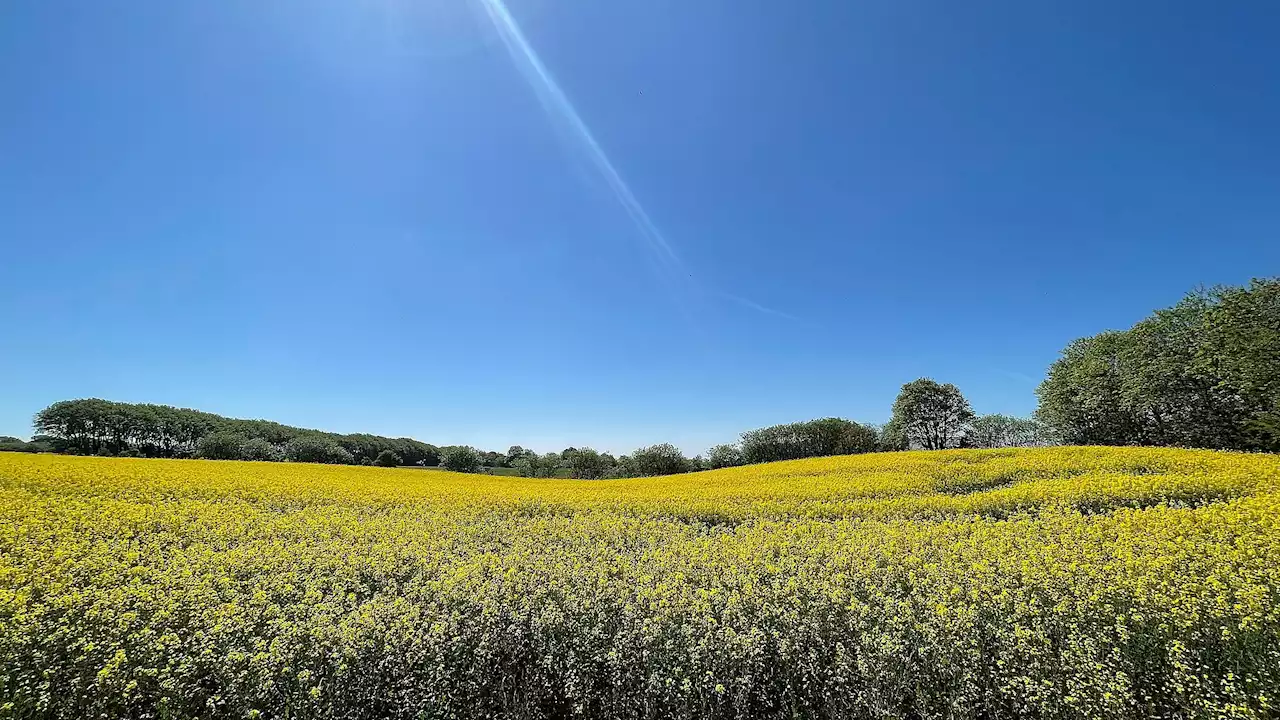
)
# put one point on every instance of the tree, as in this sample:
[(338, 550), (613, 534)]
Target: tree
[(220, 446), (889, 438), (532, 464), (815, 438), (586, 463), (317, 450), (386, 458), (94, 426), (9, 443), (549, 464), (997, 431), (664, 459), (514, 453), (260, 449), (1241, 354), (1203, 373), (931, 415), (460, 458), (1082, 398), (722, 456)]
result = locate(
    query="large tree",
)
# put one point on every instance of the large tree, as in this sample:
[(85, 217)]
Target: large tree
[(1203, 373), (931, 415)]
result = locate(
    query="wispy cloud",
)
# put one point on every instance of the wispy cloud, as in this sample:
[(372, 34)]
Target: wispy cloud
[(756, 306), (561, 110)]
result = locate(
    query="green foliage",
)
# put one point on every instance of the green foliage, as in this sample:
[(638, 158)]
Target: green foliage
[(722, 456), (890, 437), (1203, 373), (386, 458), (586, 463), (1082, 399), (515, 453), (221, 446), (460, 458), (930, 415), (664, 459), (9, 443), (317, 449), (527, 464), (998, 431), (96, 427), (815, 438), (260, 449)]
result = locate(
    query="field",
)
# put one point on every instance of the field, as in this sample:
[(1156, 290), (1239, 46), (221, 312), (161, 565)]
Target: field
[(1065, 582)]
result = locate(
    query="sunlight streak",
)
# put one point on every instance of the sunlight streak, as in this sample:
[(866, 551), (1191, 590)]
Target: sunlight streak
[(558, 106)]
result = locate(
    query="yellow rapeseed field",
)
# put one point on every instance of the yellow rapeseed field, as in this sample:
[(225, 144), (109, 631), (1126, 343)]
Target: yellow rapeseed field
[(1063, 582)]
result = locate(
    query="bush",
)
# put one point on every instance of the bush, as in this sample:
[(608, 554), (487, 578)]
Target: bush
[(13, 444), (531, 464), (815, 438), (260, 449), (317, 450), (998, 431), (220, 446), (460, 458), (586, 463), (722, 456), (386, 458), (664, 459)]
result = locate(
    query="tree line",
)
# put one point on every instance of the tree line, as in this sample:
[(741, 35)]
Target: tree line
[(102, 427), (1203, 373)]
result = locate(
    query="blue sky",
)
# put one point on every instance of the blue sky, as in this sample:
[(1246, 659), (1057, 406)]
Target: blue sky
[(376, 215)]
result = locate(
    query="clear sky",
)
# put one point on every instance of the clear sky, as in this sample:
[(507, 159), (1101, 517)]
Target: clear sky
[(610, 223)]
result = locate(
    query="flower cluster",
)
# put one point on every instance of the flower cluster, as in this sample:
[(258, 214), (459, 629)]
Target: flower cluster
[(1058, 582)]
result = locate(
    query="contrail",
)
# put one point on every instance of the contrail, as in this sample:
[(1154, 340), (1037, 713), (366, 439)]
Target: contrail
[(558, 106)]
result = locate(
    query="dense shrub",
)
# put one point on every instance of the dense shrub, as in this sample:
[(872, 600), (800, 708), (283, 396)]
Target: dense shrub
[(220, 446), (664, 459), (259, 449), (997, 431), (317, 450), (721, 456), (386, 458), (815, 438), (460, 458)]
